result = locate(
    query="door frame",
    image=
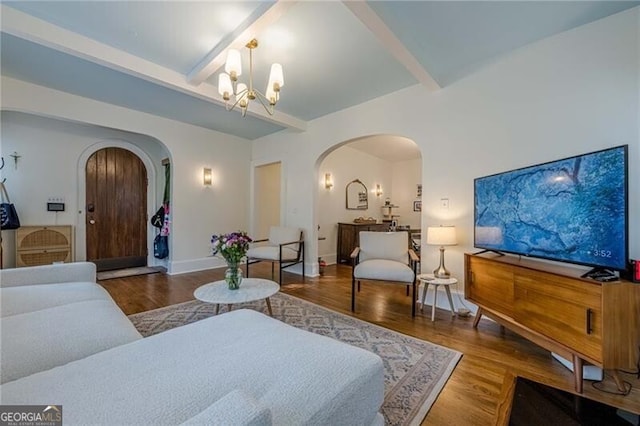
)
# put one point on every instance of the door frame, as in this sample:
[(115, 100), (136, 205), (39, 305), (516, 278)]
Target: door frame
[(81, 231), (252, 190)]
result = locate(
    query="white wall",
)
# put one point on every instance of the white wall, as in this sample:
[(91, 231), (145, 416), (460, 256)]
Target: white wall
[(573, 93), (197, 211)]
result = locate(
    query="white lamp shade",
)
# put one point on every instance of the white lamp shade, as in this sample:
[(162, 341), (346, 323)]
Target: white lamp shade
[(224, 84), (276, 76), (233, 62), (271, 95), (441, 236)]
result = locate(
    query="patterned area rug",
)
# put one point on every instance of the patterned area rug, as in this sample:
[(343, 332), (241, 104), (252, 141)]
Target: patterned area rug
[(415, 370)]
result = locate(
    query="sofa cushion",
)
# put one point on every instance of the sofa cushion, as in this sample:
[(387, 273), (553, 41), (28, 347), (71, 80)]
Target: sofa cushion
[(303, 378), (22, 299), (47, 338), (236, 408), (382, 269)]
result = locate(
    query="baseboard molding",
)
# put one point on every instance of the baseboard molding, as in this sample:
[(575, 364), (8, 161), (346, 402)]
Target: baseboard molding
[(194, 265)]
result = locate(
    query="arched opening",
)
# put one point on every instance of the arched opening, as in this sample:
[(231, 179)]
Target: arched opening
[(390, 167)]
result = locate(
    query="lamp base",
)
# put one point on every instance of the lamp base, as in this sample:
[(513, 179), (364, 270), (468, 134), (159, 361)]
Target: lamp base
[(441, 271)]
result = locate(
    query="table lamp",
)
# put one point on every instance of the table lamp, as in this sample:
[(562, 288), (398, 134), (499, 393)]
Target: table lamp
[(441, 236)]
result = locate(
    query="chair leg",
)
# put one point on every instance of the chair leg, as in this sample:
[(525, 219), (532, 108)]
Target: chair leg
[(407, 290), (353, 293), (247, 268), (413, 300)]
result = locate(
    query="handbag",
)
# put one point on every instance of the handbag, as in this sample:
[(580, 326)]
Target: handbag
[(157, 219), (161, 246), (8, 214)]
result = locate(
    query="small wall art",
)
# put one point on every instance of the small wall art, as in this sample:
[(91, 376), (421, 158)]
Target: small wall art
[(417, 206), (419, 190)]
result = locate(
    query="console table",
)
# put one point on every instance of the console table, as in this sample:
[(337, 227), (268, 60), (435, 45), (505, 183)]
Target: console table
[(578, 318)]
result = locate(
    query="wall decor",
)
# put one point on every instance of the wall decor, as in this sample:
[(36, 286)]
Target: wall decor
[(417, 206), (357, 198), (419, 190)]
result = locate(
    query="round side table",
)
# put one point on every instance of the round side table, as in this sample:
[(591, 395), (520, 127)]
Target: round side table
[(427, 279)]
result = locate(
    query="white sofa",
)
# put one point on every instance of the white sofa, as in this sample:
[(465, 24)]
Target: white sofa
[(64, 341)]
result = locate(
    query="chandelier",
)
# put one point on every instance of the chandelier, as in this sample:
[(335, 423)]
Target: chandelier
[(229, 88)]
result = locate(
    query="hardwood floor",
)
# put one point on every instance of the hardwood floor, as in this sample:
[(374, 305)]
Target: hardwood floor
[(492, 355)]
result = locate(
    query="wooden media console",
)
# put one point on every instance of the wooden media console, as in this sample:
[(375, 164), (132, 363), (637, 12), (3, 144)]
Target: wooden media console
[(578, 318)]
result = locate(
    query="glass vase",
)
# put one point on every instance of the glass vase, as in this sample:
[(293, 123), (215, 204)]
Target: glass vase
[(233, 276)]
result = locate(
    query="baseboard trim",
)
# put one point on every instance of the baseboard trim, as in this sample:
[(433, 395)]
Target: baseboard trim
[(194, 265)]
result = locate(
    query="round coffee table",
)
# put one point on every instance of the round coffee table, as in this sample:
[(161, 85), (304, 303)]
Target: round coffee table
[(250, 289)]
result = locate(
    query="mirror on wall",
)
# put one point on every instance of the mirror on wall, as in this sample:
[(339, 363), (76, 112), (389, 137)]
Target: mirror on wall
[(357, 196)]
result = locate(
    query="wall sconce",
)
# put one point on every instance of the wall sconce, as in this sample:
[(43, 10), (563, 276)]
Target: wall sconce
[(328, 182), (207, 177), (378, 190)]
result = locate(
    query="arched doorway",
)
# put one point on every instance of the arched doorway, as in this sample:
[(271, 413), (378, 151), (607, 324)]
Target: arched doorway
[(390, 166), (116, 209)]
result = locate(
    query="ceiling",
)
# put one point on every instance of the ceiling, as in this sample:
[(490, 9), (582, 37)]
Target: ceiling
[(163, 57)]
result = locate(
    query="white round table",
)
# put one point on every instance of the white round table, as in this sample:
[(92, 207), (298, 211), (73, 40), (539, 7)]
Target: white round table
[(250, 289), (427, 279)]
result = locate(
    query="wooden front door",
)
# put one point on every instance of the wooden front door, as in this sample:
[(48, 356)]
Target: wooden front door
[(116, 218)]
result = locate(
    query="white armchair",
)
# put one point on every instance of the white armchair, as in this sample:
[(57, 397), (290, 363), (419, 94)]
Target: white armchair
[(284, 246), (384, 256)]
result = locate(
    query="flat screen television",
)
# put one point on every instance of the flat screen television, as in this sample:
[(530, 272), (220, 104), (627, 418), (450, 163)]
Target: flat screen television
[(571, 210)]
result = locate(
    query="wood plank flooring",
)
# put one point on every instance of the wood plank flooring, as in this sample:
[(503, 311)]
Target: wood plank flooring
[(492, 355)]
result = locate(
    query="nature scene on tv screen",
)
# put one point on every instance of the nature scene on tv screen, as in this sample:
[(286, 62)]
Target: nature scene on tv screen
[(571, 210)]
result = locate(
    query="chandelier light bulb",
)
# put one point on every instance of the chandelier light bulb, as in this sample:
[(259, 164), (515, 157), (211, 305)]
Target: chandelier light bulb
[(233, 67), (224, 86), (271, 95), (276, 77)]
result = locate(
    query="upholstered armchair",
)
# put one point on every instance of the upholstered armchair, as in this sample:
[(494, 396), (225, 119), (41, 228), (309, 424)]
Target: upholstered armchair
[(285, 246), (384, 256)]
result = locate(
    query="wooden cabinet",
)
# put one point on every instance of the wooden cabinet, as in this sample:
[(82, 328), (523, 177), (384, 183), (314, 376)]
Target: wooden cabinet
[(348, 237), (43, 245), (580, 319)]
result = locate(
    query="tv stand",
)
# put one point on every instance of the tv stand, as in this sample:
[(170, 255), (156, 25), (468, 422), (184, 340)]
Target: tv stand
[(499, 253), (598, 274), (580, 319)]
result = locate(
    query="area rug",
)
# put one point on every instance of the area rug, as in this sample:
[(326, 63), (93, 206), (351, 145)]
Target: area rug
[(128, 272), (415, 370)]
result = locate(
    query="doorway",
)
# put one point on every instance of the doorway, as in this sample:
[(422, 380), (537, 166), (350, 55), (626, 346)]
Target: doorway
[(116, 209), (266, 199)]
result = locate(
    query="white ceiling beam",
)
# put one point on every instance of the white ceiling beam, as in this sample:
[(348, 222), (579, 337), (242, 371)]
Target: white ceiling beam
[(371, 20), (35, 30), (263, 17)]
